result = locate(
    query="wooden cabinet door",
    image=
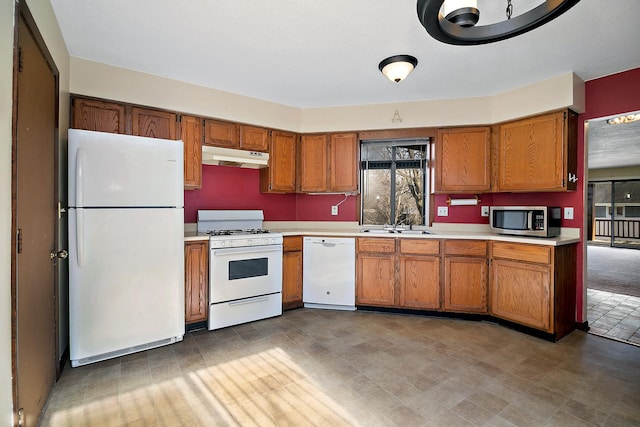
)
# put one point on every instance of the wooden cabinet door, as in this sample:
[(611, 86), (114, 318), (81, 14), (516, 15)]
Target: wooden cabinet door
[(375, 279), (521, 292), (313, 163), (465, 276), (420, 282), (191, 135), (463, 161), (254, 138), (280, 176), (465, 284), (153, 123), (221, 134), (196, 281), (292, 273), (98, 116), (532, 154), (343, 162)]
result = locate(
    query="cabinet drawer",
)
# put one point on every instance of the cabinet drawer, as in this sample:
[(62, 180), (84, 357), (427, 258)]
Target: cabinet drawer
[(293, 243), (521, 252), (419, 246), (381, 245), (465, 247)]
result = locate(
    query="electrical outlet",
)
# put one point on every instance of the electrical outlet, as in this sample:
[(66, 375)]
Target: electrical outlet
[(334, 210), (443, 210), (568, 213), (484, 211)]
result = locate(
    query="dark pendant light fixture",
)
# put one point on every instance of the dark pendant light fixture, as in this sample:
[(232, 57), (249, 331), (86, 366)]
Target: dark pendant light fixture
[(397, 67), (453, 21)]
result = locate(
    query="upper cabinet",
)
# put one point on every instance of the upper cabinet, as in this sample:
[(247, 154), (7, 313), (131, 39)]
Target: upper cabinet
[(538, 154), (463, 160), (312, 165), (232, 135), (221, 134), (328, 163), (101, 116), (153, 123), (191, 136), (343, 162), (254, 138), (280, 175)]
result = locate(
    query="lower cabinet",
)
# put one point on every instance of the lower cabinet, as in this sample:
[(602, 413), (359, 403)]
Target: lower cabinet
[(534, 286), (403, 273), (292, 272), (419, 278), (465, 276), (196, 281), (375, 271)]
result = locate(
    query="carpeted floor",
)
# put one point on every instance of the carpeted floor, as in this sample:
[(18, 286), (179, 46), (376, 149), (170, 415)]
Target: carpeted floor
[(615, 270)]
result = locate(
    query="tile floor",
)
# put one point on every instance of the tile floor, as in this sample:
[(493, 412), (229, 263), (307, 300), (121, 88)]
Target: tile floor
[(614, 316), (333, 368)]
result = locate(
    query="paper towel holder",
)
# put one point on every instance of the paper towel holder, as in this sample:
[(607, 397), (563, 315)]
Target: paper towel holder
[(463, 202)]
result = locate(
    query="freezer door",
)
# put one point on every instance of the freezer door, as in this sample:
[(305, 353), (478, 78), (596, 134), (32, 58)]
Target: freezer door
[(108, 169), (126, 278)]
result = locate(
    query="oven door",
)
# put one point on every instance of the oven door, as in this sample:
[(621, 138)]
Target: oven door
[(236, 273)]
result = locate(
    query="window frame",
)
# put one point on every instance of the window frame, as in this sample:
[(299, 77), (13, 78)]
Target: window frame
[(426, 172)]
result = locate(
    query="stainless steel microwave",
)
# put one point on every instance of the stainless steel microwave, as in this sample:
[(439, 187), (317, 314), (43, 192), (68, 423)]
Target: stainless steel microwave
[(536, 221)]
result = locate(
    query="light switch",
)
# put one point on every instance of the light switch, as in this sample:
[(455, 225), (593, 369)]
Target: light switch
[(443, 210), (568, 213)]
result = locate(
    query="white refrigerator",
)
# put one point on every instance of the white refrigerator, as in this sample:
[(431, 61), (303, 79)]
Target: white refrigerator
[(126, 244)]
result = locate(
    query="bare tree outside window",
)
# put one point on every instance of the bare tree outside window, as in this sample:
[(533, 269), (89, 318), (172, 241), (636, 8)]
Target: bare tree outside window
[(393, 182)]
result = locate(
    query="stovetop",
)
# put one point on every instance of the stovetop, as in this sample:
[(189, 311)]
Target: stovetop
[(237, 232), (233, 229)]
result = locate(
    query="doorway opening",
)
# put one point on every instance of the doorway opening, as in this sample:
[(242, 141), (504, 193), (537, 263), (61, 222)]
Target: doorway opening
[(613, 231)]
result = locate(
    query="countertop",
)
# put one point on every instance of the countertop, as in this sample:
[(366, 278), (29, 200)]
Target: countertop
[(450, 231)]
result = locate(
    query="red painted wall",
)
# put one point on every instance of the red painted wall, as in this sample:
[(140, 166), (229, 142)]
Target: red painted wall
[(225, 187)]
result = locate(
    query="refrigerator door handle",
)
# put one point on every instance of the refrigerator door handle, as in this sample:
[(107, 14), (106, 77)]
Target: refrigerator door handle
[(80, 237), (80, 161)]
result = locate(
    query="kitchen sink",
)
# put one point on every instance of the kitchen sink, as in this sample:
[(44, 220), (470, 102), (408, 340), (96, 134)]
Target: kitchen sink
[(413, 232), (394, 231)]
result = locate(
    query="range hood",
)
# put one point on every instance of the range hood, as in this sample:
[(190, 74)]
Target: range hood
[(232, 157)]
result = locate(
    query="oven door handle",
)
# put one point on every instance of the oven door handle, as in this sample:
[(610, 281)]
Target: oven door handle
[(248, 250)]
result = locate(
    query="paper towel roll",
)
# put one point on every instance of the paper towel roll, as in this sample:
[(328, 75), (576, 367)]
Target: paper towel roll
[(463, 202)]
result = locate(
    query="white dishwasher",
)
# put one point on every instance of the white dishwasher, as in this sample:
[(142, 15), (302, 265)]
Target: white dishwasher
[(329, 273)]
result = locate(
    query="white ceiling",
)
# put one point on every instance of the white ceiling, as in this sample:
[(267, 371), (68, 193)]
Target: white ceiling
[(613, 146), (307, 54)]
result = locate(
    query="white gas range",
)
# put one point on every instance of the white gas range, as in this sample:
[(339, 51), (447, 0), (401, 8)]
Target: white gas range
[(245, 267)]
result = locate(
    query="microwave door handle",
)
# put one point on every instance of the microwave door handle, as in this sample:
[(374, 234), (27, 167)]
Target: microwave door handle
[(530, 220)]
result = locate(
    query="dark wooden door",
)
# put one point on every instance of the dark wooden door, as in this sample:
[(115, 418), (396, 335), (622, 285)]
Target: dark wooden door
[(34, 325)]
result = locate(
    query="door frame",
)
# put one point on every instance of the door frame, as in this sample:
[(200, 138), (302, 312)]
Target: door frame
[(21, 10)]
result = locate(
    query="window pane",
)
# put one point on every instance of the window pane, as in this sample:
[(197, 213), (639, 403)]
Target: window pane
[(601, 211), (376, 204), (375, 152), (632, 211), (410, 152), (409, 196)]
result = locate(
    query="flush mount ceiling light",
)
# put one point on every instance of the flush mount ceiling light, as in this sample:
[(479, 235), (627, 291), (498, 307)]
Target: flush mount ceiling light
[(398, 67), (453, 21), (629, 118)]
